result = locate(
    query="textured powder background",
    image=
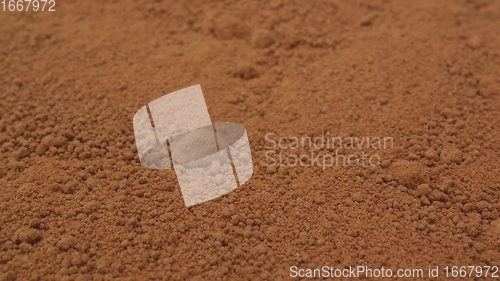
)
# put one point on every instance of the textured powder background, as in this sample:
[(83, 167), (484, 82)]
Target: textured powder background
[(75, 204)]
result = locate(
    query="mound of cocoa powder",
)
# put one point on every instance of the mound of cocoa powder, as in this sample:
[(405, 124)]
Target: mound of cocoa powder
[(75, 203)]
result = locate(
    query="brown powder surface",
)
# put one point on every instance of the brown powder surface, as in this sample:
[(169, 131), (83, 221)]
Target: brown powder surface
[(75, 203)]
